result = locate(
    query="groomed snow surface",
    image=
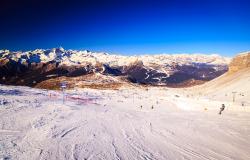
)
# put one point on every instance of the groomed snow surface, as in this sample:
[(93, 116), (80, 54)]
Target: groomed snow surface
[(130, 123)]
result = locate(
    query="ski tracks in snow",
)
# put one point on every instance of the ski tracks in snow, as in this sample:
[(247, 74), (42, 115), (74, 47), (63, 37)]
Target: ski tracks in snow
[(115, 130)]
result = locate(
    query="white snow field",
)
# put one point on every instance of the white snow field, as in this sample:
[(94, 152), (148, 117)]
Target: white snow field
[(130, 123)]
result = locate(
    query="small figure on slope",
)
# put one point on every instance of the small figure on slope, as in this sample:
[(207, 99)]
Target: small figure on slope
[(222, 108)]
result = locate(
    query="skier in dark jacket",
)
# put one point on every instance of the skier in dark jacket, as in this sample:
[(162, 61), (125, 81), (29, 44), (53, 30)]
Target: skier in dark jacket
[(222, 108)]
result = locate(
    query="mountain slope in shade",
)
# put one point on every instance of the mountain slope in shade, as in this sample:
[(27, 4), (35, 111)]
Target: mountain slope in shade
[(33, 67)]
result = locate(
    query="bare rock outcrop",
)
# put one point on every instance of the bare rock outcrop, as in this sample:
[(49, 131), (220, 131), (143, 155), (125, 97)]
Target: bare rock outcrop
[(240, 62)]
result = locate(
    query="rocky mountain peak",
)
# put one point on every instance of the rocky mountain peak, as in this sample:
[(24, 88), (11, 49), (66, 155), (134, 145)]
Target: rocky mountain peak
[(240, 62)]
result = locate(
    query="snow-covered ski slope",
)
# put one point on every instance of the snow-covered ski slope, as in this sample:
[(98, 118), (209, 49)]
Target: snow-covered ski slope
[(129, 123), (228, 86)]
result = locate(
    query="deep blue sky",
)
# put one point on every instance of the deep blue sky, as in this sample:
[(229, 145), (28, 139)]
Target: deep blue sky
[(127, 26)]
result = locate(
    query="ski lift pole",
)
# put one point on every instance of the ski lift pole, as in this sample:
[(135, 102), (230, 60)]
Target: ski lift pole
[(234, 93), (134, 96), (63, 86), (63, 95)]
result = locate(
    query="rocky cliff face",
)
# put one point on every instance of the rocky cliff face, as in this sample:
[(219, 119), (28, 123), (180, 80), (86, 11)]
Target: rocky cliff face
[(240, 62)]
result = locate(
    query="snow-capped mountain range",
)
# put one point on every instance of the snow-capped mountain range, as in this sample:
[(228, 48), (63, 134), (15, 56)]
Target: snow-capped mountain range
[(74, 57), (32, 67)]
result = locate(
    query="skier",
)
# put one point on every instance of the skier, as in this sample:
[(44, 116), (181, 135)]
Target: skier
[(222, 108), (150, 125)]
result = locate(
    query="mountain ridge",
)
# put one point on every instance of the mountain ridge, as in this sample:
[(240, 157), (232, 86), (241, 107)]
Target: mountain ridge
[(32, 67)]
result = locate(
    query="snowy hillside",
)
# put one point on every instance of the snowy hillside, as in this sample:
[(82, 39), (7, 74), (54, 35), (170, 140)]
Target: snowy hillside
[(233, 85), (231, 88), (129, 123)]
